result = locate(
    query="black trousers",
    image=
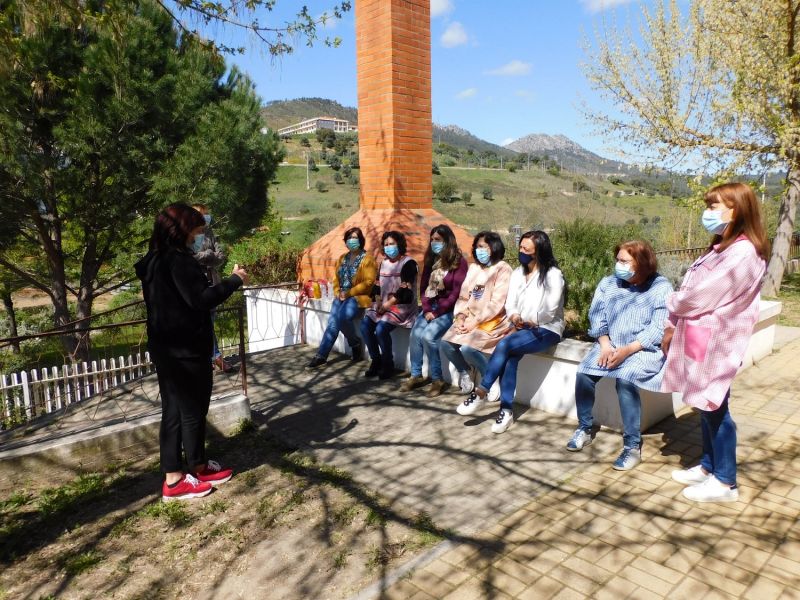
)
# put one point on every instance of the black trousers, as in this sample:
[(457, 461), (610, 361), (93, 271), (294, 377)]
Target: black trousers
[(185, 385)]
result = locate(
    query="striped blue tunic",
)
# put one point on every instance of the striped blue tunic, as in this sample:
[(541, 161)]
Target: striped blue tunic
[(626, 313)]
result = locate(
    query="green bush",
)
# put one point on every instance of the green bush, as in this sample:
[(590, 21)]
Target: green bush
[(488, 194), (265, 256), (321, 186), (584, 250)]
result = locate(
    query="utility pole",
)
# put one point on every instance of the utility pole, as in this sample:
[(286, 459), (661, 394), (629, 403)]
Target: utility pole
[(529, 161), (763, 187), (308, 174)]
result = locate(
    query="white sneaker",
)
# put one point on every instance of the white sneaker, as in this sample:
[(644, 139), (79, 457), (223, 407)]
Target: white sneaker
[(465, 383), (503, 421), (471, 405), (691, 476), (711, 490), (579, 440), (494, 392)]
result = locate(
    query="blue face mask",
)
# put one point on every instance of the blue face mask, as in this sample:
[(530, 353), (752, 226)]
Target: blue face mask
[(712, 221), (353, 244), (198, 242), (391, 251), (437, 247), (208, 219), (525, 259), (483, 255), (623, 271)]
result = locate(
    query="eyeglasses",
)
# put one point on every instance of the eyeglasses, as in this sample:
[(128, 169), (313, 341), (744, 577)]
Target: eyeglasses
[(625, 262)]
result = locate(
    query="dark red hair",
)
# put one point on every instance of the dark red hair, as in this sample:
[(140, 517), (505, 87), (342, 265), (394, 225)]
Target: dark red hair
[(173, 226), (643, 255)]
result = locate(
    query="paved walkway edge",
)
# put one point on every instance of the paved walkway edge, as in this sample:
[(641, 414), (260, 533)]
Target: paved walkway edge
[(375, 589)]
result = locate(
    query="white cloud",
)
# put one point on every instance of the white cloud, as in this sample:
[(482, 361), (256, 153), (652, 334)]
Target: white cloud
[(526, 95), (512, 69), (506, 141), (441, 7), (467, 93), (596, 6), (454, 35)]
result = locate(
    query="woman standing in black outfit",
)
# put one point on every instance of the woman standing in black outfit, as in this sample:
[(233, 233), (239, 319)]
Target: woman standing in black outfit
[(179, 300)]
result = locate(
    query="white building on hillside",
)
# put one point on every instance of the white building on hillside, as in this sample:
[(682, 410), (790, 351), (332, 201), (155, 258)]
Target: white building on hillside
[(311, 126)]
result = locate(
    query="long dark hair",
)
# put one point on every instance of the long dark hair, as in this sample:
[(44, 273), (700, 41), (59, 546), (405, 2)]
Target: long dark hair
[(450, 255), (544, 253), (173, 226), (496, 247)]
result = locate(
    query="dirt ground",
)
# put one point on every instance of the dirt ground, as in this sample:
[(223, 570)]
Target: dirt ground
[(32, 298), (283, 527)]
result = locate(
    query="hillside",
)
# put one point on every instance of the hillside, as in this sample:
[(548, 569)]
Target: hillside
[(281, 113), (571, 155)]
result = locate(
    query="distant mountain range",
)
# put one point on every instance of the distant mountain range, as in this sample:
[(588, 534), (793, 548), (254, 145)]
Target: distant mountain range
[(571, 155), (280, 113)]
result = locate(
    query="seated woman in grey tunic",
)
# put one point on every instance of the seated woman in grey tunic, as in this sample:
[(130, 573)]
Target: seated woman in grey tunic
[(627, 318)]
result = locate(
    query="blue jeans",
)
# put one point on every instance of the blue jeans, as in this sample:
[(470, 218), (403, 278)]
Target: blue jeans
[(719, 442), (462, 357), (378, 338), (425, 339), (630, 407), (506, 356), (341, 319)]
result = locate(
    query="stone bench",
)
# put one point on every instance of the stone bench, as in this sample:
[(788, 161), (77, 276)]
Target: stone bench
[(546, 380)]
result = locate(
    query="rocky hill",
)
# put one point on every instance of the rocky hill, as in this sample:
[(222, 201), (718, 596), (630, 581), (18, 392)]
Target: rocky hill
[(571, 155)]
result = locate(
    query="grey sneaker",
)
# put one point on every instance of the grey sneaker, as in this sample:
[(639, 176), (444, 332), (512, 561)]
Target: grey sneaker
[(627, 459), (578, 440)]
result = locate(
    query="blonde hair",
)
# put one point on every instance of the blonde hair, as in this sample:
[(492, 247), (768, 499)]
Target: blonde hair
[(747, 219)]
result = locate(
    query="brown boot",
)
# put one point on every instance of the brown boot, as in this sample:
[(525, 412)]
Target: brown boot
[(436, 389), (413, 382)]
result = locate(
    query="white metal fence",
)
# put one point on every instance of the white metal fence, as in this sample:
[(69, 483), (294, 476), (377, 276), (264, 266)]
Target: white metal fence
[(28, 394)]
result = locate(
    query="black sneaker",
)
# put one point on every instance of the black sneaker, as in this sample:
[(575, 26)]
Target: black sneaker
[(358, 353), (317, 361), (374, 369), (386, 373)]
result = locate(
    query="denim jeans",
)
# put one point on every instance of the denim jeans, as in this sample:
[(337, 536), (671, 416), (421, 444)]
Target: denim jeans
[(719, 442), (378, 338), (462, 357), (630, 407), (340, 319), (506, 356), (425, 339)]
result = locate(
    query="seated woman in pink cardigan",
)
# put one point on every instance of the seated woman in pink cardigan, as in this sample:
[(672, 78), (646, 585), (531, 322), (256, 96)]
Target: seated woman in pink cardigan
[(711, 319), (479, 321)]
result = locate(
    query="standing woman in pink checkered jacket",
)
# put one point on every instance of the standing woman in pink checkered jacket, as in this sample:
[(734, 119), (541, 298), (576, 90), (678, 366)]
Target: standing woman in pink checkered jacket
[(711, 319)]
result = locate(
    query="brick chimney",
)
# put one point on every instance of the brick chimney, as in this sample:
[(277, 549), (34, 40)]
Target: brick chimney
[(393, 57)]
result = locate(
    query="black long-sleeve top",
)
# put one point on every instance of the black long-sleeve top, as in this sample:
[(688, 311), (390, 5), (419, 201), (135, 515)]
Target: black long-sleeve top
[(179, 300)]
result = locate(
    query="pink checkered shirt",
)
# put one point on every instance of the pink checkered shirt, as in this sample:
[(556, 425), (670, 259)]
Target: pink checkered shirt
[(713, 314)]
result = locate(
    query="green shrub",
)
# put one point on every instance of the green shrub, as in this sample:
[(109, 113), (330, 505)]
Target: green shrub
[(321, 186), (584, 250), (265, 256), (488, 194)]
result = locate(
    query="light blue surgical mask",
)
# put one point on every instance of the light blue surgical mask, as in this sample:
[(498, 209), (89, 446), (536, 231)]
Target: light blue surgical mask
[(623, 271), (353, 244), (198, 242), (207, 219), (437, 247), (391, 251), (712, 221), (483, 255)]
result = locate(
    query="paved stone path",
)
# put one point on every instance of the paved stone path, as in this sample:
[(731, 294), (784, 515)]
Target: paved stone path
[(530, 520)]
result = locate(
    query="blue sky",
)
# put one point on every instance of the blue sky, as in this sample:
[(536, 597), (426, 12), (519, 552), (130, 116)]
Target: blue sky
[(500, 69)]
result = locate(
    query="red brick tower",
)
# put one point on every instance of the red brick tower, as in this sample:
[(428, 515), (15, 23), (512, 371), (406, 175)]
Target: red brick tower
[(393, 57)]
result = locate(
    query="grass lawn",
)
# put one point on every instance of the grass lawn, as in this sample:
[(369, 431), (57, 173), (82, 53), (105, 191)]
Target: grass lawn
[(790, 296), (283, 527), (529, 198)]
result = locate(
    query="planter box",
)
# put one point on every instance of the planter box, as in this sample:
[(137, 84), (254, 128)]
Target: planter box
[(546, 380)]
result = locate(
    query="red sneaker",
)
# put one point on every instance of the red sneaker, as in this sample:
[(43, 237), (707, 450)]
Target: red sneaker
[(188, 487), (214, 473)]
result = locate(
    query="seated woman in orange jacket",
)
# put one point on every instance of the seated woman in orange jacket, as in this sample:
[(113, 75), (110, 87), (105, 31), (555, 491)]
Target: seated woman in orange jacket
[(352, 284)]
